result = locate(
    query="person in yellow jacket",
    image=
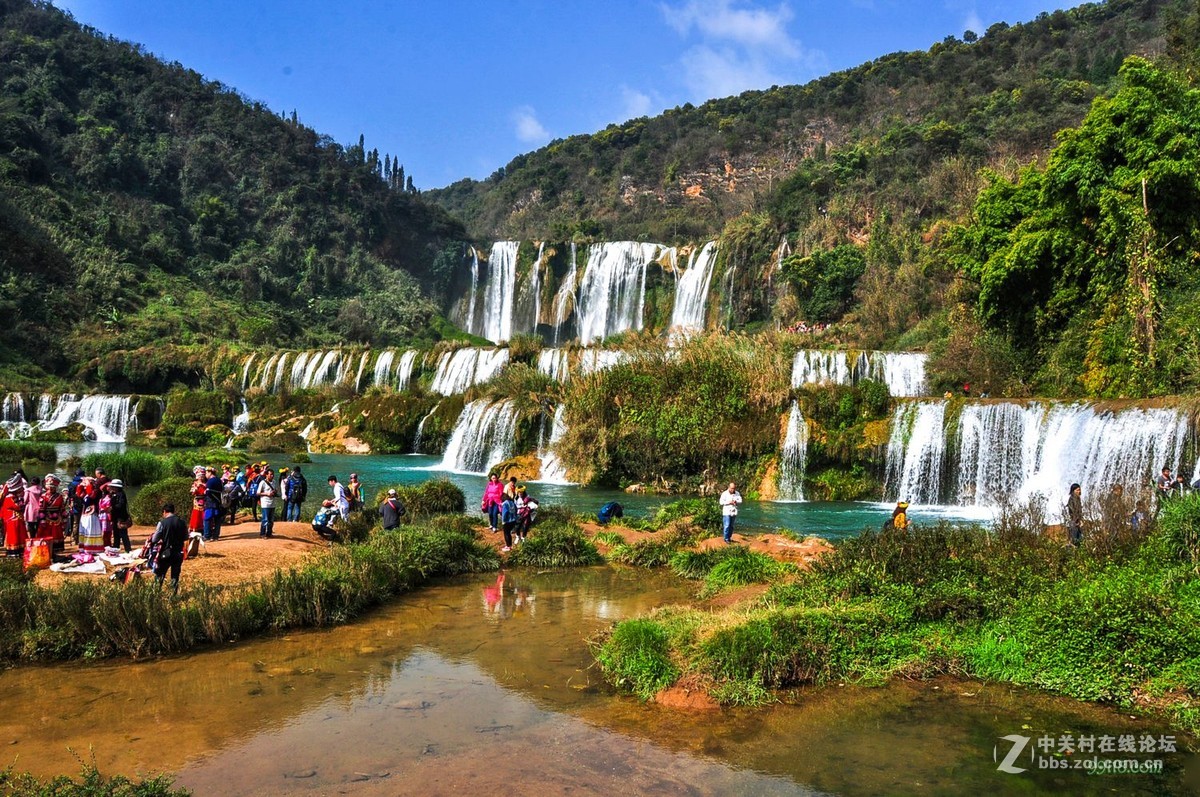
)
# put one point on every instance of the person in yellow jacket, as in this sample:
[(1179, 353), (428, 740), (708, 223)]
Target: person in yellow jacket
[(900, 516)]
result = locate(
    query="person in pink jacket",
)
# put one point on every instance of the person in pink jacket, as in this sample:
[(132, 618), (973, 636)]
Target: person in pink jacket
[(33, 506), (493, 497)]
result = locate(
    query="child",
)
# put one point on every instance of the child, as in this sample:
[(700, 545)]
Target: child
[(527, 507)]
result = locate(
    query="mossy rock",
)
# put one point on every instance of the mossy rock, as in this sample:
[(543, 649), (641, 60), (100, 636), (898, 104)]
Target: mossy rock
[(282, 443), (387, 422), (192, 436), (72, 433), (197, 408), (148, 411), (525, 467)]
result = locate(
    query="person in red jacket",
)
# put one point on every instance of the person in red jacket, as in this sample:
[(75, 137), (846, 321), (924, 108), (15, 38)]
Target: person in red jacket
[(52, 522), (12, 515)]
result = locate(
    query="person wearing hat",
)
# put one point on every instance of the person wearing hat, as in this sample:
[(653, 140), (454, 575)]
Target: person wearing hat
[(91, 535), (212, 504), (52, 521), (391, 510), (354, 492), (899, 519), (11, 516), (74, 505), (33, 506), (118, 509)]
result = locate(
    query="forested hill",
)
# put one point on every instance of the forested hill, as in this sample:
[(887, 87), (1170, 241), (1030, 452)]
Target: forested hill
[(903, 134), (146, 212)]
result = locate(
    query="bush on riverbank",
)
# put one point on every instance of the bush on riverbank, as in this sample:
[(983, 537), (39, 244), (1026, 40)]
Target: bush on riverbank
[(90, 784), (92, 618), (146, 506), (1115, 622), (132, 467), (21, 450), (555, 546)]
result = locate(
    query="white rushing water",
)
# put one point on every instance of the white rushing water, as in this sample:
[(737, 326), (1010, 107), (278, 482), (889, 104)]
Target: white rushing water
[(691, 291), (108, 418), (1012, 452), (793, 452), (460, 369), (613, 290), (902, 371), (241, 421), (593, 360), (916, 453), (499, 294), (553, 469), (565, 299), (485, 435), (554, 363), (474, 289)]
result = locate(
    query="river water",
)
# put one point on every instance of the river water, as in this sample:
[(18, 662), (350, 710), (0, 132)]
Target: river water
[(484, 685)]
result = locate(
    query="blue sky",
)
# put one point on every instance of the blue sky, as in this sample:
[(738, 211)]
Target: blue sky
[(456, 88)]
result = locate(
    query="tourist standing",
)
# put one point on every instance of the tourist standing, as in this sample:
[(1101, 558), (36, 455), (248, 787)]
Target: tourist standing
[(510, 488), (212, 504), (118, 510), (33, 507), (104, 515), (509, 518), (74, 504), (91, 536), (297, 491), (196, 521), (493, 496), (1164, 484), (12, 516), (391, 510), (729, 501), (54, 513), (340, 502), (527, 507), (1075, 516), (354, 492), (266, 502), (169, 538)]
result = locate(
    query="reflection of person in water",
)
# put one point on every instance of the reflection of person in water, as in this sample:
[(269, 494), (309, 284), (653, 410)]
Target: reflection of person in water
[(493, 594)]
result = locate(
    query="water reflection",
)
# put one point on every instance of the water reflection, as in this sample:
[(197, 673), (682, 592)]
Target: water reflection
[(486, 683)]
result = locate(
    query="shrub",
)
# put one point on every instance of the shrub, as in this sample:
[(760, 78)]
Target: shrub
[(555, 547), (90, 784), (21, 450), (131, 467), (433, 497), (704, 513), (146, 506), (744, 567), (1179, 528), (635, 657), (645, 553)]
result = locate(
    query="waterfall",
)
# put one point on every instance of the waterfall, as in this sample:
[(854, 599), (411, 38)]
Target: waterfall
[(554, 363), (241, 421), (383, 368), (246, 371), (500, 293), (902, 371), (108, 418), (278, 383), (1020, 452), (613, 289), (484, 436), (474, 288), (593, 360), (553, 470), (691, 291), (916, 452), (299, 368), (813, 366), (564, 300), (793, 452), (404, 371), (458, 370), (362, 366), (535, 287), (421, 428)]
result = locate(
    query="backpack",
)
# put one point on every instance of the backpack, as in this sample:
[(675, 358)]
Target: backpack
[(297, 488), (231, 495), (609, 511)]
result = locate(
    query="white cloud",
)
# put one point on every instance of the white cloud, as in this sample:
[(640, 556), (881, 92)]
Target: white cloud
[(634, 103), (974, 23), (527, 127), (737, 45)]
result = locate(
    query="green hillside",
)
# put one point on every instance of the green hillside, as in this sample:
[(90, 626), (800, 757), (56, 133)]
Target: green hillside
[(901, 134), (146, 212)]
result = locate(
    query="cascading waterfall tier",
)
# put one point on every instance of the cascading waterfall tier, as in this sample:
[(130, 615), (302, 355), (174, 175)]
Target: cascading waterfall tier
[(304, 370), (484, 436), (553, 469), (554, 363), (499, 294), (1006, 452), (793, 452), (691, 291), (107, 418), (613, 290), (902, 371), (459, 370)]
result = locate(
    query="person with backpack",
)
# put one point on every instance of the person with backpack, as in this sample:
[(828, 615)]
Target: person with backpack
[(231, 499), (391, 510), (509, 519), (899, 520), (609, 511), (297, 491)]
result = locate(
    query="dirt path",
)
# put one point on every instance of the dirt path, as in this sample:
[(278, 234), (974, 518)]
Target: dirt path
[(238, 557)]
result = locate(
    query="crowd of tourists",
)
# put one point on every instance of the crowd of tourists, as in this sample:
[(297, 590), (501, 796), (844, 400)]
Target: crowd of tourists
[(93, 511), (510, 508)]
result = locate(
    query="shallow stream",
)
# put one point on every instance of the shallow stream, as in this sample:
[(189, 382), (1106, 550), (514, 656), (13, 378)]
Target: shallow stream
[(484, 685)]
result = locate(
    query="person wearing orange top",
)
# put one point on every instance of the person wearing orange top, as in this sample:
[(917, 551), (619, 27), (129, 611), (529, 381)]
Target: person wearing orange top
[(12, 515)]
